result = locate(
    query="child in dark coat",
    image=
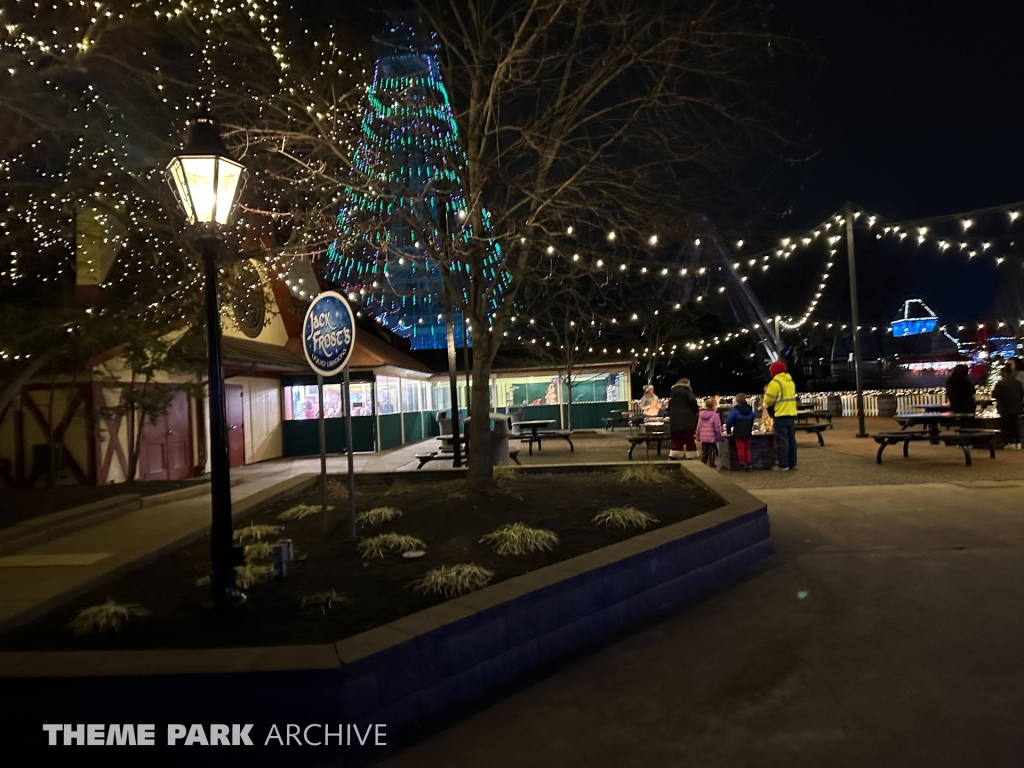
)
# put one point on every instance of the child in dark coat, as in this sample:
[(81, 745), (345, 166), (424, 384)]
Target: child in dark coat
[(740, 424)]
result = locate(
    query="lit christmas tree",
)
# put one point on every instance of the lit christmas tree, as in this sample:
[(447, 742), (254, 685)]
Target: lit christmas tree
[(408, 165)]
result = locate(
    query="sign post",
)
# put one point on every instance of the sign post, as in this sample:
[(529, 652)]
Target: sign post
[(328, 338), (323, 452)]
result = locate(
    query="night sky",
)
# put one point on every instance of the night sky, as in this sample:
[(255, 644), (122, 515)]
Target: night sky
[(915, 111), (906, 109)]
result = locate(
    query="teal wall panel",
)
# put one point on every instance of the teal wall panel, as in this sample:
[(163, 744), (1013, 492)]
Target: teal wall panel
[(302, 438), (390, 430), (413, 427)]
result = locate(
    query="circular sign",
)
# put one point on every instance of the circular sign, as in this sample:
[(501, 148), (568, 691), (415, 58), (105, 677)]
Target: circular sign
[(328, 333)]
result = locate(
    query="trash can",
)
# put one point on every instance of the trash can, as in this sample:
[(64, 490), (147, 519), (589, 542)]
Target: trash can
[(887, 405), (499, 439), (834, 405), (444, 422)]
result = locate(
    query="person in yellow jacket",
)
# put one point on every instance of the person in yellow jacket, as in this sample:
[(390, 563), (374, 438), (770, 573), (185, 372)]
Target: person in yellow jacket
[(780, 401)]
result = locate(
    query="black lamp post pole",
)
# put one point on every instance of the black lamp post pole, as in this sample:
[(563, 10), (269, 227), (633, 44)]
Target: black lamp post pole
[(224, 553)]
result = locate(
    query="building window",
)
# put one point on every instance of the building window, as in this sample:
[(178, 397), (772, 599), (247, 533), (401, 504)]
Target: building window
[(301, 402), (387, 395)]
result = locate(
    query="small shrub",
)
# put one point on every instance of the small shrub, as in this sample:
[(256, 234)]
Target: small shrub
[(378, 515), (520, 539), (300, 511), (400, 486), (376, 546), (261, 550), (643, 473), (623, 517), (250, 573), (108, 615), (505, 474), (453, 580), (337, 489), (253, 533), (324, 601)]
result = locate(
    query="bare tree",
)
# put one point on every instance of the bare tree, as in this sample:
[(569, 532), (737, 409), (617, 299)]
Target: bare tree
[(563, 328), (597, 114)]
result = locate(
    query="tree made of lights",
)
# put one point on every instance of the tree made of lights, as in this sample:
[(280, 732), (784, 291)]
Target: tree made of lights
[(406, 191)]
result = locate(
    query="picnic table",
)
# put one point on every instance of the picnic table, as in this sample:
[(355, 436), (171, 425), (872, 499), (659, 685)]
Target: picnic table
[(933, 422), (646, 438), (617, 418), (537, 436), (964, 439), (807, 414), (980, 402)]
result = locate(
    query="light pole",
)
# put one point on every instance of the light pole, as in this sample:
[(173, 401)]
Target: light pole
[(855, 316), (206, 182)]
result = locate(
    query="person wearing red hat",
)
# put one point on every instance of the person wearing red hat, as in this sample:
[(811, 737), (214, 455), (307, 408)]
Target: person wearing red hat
[(780, 401)]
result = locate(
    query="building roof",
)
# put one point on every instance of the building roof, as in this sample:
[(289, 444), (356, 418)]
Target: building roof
[(240, 355), (373, 352)]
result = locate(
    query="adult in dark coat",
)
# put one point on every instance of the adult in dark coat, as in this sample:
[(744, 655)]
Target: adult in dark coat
[(1009, 396), (683, 414), (960, 391)]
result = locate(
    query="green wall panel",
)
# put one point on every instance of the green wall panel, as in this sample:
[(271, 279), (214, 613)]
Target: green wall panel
[(390, 431), (413, 427), (302, 438)]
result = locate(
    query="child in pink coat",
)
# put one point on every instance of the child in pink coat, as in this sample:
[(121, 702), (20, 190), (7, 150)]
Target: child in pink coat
[(709, 432)]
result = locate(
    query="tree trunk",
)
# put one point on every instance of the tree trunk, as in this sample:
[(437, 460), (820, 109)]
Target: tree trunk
[(568, 413), (480, 474)]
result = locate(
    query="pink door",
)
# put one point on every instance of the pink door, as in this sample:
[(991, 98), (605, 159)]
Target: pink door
[(236, 426)]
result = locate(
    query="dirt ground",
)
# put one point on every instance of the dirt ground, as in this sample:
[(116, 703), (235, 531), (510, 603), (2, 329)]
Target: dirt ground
[(441, 513)]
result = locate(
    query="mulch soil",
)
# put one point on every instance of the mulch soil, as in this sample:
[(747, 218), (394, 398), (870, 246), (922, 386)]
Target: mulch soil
[(442, 513)]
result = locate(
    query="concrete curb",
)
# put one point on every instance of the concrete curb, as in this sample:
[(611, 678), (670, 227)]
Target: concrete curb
[(415, 666), (49, 527), (239, 509)]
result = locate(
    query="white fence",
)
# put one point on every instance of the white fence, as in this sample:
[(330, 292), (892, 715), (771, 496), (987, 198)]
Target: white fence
[(906, 399)]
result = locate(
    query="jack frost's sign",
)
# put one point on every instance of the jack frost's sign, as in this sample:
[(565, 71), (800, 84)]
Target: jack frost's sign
[(328, 333)]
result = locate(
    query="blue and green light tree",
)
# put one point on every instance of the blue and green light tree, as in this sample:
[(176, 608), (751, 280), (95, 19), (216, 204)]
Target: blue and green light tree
[(406, 192)]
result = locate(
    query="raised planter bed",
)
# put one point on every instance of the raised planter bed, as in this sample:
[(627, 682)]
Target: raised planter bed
[(419, 664)]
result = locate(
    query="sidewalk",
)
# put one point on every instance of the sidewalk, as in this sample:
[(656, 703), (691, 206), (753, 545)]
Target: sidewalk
[(885, 633), (35, 579)]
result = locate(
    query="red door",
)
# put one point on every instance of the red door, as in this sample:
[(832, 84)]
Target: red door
[(236, 426), (166, 445), (153, 450), (179, 438)]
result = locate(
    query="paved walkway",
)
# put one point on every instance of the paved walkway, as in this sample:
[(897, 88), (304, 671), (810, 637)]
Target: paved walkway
[(35, 579), (887, 632)]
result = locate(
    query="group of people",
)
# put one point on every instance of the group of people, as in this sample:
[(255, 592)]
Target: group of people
[(1008, 393), (693, 422)]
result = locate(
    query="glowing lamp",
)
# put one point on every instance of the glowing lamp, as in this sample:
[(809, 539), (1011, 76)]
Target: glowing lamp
[(205, 180)]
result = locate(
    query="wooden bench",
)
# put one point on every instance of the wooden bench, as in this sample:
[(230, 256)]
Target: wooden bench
[(547, 434), (966, 439), (657, 437), (885, 439), (816, 429)]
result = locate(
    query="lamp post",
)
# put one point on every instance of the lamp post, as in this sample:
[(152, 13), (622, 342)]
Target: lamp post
[(206, 183)]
